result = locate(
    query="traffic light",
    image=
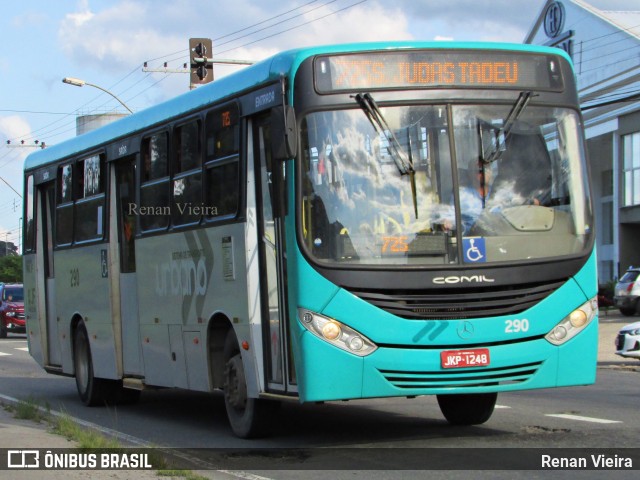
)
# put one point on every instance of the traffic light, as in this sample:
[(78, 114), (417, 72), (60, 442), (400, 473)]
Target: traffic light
[(200, 53)]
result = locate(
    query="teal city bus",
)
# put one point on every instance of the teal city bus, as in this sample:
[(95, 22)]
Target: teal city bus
[(333, 223)]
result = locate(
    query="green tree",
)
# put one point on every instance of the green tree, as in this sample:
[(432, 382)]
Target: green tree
[(11, 269)]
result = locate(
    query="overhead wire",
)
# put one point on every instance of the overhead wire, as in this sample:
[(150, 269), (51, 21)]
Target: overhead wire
[(182, 52), (293, 28), (48, 130), (280, 23), (267, 20), (58, 126), (43, 130)]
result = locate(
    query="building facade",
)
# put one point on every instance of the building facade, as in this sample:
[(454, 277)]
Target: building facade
[(605, 48)]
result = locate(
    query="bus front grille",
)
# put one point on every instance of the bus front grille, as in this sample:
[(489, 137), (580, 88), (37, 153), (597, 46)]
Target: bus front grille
[(458, 303), (463, 378)]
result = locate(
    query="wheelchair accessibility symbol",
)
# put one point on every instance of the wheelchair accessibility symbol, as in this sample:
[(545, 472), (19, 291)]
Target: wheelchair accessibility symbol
[(474, 250)]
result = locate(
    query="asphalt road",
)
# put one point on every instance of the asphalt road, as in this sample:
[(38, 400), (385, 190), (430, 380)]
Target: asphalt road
[(601, 416)]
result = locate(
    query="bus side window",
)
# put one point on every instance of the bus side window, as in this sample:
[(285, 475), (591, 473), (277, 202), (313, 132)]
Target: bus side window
[(222, 141), (187, 174), (154, 190), (90, 204), (64, 206), (222, 194), (29, 222)]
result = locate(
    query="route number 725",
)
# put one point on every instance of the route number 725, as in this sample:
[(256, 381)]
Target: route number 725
[(395, 244)]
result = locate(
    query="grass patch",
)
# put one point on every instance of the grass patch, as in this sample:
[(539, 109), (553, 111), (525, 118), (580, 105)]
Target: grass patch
[(84, 437), (87, 438), (186, 474), (30, 410)]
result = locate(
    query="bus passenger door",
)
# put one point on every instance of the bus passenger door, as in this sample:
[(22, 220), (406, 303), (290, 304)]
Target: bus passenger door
[(278, 365), (123, 233), (46, 277)]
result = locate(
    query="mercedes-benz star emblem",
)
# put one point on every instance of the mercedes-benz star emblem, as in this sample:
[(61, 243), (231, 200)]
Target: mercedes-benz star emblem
[(466, 330)]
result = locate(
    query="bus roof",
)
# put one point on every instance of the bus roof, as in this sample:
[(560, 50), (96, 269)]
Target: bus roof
[(266, 71)]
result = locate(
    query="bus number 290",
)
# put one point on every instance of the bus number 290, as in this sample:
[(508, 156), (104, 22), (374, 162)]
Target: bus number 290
[(516, 326)]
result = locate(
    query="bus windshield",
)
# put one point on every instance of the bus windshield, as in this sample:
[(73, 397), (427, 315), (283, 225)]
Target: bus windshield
[(479, 185)]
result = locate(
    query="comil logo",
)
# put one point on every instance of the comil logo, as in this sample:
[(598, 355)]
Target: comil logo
[(454, 279), (23, 459)]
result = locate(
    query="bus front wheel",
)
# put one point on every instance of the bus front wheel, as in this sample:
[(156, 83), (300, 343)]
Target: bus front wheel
[(249, 417), (467, 409)]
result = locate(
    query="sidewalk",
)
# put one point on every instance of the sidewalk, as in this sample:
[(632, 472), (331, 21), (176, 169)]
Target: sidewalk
[(18, 434), (25, 434)]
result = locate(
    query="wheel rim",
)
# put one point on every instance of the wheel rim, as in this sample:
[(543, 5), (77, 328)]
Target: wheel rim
[(235, 390), (82, 364)]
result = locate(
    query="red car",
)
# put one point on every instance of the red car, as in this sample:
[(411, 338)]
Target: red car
[(11, 309)]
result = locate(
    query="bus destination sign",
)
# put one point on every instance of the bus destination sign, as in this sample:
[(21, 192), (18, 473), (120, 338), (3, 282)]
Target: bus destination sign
[(437, 69)]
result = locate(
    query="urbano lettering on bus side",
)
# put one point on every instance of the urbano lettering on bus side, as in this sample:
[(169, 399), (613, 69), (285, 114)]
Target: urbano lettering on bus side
[(183, 275)]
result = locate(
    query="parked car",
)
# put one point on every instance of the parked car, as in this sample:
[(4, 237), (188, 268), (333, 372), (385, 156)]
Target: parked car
[(11, 309), (627, 292), (628, 341)]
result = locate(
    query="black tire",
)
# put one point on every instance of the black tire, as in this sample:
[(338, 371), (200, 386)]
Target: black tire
[(467, 409), (92, 391), (627, 312), (248, 417)]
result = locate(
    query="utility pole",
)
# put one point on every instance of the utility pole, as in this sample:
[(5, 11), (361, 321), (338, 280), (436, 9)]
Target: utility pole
[(23, 144)]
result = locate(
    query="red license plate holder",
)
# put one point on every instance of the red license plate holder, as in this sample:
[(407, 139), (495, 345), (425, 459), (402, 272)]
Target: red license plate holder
[(478, 357)]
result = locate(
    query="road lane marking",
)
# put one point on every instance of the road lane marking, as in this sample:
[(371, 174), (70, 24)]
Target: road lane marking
[(582, 419), (502, 406), (24, 349), (2, 354)]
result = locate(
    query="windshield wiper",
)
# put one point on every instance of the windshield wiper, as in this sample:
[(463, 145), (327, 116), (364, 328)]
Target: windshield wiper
[(518, 107), (403, 162)]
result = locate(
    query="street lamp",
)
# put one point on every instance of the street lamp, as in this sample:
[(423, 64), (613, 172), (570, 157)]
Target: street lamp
[(81, 83)]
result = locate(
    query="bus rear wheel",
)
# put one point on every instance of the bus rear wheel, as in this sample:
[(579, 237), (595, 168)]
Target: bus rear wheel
[(467, 409), (248, 417), (92, 391)]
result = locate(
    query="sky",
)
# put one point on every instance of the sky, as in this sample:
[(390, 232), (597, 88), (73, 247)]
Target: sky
[(107, 43)]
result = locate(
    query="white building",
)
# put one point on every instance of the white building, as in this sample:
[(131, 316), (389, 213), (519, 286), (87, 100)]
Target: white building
[(605, 48), (86, 123)]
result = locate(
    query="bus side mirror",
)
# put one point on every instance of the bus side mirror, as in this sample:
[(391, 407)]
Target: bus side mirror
[(284, 135)]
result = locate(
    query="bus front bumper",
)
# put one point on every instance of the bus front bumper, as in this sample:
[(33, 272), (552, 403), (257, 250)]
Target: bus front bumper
[(391, 371)]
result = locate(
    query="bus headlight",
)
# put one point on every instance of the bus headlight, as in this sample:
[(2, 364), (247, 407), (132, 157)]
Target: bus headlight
[(336, 333), (573, 323)]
